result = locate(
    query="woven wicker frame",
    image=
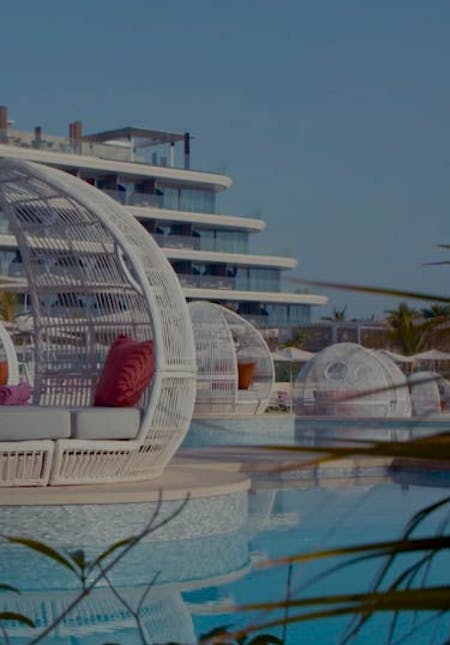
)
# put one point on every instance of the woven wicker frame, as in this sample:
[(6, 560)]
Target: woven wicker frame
[(222, 339), (93, 273), (347, 379), (425, 395)]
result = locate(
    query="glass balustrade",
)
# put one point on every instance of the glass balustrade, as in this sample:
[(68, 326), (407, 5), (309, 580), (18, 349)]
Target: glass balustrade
[(201, 243), (102, 150), (226, 282)]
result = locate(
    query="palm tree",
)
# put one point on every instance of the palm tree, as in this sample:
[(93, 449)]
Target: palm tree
[(437, 317), (338, 315), (437, 311), (298, 338), (405, 330), (8, 306)]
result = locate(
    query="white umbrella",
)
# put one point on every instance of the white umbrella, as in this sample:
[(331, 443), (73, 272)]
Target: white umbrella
[(397, 358), (295, 355), (280, 358), (432, 355), (292, 355)]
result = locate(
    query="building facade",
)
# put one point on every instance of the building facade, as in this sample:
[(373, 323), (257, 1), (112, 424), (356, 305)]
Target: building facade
[(149, 172)]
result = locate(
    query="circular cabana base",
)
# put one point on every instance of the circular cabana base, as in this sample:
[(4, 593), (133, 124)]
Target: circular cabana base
[(91, 514)]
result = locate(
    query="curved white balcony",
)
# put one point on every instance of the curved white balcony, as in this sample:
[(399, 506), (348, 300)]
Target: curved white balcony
[(274, 297), (244, 259), (146, 206)]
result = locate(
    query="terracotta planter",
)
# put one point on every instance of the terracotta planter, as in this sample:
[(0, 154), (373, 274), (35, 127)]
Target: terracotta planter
[(246, 373)]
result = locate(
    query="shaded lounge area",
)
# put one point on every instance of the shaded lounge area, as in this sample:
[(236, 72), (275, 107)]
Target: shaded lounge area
[(105, 303), (235, 370)]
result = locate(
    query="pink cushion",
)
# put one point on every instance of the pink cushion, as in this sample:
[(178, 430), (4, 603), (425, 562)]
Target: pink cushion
[(128, 370), (15, 394)]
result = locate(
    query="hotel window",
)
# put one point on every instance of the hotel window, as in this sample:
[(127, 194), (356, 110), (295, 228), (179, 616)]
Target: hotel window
[(197, 200)]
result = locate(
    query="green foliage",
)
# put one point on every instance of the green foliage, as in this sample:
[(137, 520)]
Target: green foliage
[(44, 549), (8, 305), (9, 588), (437, 311), (19, 618), (298, 339), (405, 331), (339, 315)]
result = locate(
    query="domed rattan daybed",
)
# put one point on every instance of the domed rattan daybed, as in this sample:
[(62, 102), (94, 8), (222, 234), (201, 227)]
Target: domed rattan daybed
[(425, 395), (347, 379), (227, 346), (93, 274)]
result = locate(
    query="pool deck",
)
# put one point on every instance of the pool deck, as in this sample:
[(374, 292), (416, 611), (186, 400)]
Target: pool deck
[(180, 478), (252, 459), (201, 472)]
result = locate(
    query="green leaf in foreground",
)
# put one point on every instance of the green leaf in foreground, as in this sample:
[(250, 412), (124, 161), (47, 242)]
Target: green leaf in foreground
[(4, 587), (43, 549), (113, 547), (18, 618), (430, 599), (381, 291), (266, 639), (220, 630)]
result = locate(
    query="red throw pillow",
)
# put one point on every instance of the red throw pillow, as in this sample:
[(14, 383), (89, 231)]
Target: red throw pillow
[(128, 369), (246, 373), (3, 372)]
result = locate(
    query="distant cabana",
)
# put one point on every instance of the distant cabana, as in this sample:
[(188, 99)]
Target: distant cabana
[(425, 395), (347, 379), (235, 370)]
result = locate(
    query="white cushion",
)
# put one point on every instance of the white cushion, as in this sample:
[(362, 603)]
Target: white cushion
[(33, 422), (105, 423)]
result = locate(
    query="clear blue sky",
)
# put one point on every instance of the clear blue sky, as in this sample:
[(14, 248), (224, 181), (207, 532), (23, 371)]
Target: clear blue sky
[(332, 116)]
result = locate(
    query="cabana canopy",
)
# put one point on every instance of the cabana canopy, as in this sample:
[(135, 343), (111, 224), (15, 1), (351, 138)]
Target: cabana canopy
[(93, 273), (425, 395), (347, 379), (227, 346)]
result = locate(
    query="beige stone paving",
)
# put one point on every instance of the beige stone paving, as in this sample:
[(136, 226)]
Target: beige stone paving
[(177, 480)]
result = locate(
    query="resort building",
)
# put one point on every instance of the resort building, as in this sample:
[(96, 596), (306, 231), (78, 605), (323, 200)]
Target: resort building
[(149, 172)]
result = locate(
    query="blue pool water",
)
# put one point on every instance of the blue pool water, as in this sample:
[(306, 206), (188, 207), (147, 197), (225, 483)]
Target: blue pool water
[(328, 518), (199, 578)]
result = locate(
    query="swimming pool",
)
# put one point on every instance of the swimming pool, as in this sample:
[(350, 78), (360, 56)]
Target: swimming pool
[(328, 517), (199, 578)]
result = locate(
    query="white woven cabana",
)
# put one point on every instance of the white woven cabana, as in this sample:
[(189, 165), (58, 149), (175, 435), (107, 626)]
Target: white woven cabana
[(224, 342), (93, 273), (347, 379), (397, 386), (425, 395)]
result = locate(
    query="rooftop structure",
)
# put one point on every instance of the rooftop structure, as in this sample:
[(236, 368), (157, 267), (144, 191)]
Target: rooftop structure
[(150, 173)]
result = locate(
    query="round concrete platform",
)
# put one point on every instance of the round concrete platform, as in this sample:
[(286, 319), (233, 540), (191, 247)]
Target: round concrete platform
[(178, 480), (216, 504)]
